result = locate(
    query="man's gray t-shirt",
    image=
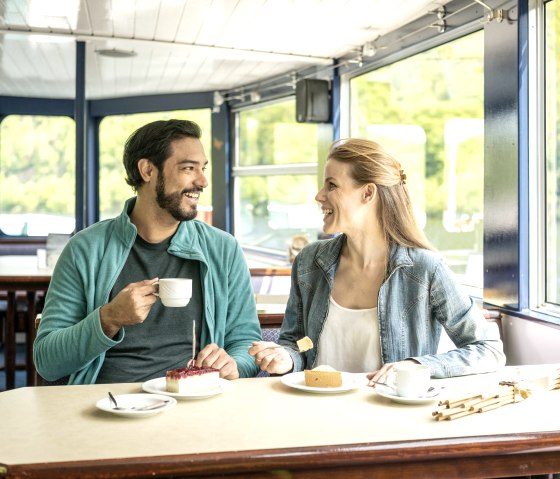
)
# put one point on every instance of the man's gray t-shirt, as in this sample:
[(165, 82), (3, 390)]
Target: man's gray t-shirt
[(164, 340)]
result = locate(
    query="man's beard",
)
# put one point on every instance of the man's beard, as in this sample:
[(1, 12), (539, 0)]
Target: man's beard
[(172, 202)]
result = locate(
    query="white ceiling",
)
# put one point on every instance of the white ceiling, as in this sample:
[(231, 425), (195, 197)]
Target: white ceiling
[(182, 45)]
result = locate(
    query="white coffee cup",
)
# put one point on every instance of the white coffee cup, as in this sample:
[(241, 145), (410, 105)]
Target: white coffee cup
[(411, 380), (175, 292)]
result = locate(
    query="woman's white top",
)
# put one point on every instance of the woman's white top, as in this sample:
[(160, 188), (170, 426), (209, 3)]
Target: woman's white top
[(350, 340)]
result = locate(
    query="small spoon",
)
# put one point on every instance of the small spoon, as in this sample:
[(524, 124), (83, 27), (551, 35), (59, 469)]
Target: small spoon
[(114, 401), (371, 382), (134, 408)]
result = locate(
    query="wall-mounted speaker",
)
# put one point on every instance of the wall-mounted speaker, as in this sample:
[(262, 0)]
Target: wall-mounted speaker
[(313, 101)]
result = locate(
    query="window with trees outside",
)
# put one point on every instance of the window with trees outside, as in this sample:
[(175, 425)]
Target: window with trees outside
[(275, 182), (552, 149), (428, 112), (113, 133), (37, 175)]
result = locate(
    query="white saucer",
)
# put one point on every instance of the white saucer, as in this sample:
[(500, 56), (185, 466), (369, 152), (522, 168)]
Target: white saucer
[(157, 386), (138, 401), (389, 393), (350, 381)]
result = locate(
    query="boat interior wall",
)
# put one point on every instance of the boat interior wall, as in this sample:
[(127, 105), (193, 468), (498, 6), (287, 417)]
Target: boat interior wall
[(530, 342)]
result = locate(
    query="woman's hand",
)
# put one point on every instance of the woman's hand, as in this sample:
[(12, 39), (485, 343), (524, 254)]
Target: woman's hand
[(382, 375), (271, 357)]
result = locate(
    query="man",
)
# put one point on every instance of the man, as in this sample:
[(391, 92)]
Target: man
[(103, 322)]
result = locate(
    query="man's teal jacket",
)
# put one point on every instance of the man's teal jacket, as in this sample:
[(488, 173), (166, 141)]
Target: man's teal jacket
[(70, 341)]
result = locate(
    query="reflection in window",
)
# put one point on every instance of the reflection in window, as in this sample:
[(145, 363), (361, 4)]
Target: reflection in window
[(275, 182), (269, 213), (271, 136), (552, 78), (37, 175), (113, 133), (432, 121)]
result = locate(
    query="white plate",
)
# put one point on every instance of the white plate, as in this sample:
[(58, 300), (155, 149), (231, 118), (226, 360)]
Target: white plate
[(137, 401), (157, 386), (389, 393), (349, 381)]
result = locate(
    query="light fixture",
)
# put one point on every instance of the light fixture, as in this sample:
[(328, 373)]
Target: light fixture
[(369, 50), (441, 24), (218, 99), (218, 102), (255, 96), (116, 53), (293, 79), (359, 58)]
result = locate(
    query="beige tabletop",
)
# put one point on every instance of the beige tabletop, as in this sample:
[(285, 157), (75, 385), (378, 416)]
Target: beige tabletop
[(62, 423)]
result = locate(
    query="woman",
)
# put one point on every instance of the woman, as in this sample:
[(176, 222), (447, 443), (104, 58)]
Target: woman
[(377, 294)]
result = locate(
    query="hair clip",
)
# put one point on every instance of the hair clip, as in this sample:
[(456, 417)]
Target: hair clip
[(403, 178)]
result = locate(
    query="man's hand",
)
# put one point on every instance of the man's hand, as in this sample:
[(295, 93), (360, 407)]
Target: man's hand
[(212, 356), (271, 357), (130, 306)]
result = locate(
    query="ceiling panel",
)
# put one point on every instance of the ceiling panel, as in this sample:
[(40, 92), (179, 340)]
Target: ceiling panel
[(169, 18), (193, 19), (99, 17), (146, 16), (247, 14), (13, 13), (83, 21), (216, 18), (182, 45)]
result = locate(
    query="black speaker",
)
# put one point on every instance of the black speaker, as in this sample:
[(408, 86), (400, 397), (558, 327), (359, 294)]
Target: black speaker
[(313, 101)]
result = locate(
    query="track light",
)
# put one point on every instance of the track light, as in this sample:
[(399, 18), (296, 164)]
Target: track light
[(369, 50), (218, 102)]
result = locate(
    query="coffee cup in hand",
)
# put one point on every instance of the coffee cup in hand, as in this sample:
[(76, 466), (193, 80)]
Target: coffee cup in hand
[(411, 380), (174, 292)]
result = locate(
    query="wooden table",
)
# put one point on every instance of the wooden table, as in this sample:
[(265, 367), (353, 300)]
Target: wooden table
[(271, 315), (263, 428), (21, 274)]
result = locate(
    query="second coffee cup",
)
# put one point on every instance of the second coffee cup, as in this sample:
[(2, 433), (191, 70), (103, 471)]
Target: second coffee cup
[(175, 292), (411, 380)]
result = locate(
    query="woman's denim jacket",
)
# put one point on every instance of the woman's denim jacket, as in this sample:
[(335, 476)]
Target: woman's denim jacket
[(418, 298)]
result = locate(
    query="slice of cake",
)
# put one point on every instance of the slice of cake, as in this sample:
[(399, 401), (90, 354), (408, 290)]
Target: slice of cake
[(191, 380), (304, 344), (323, 377)]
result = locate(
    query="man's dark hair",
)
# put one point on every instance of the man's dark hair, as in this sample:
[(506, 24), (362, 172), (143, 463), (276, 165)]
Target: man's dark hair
[(153, 142)]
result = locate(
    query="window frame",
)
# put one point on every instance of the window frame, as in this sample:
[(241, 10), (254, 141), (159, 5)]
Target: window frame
[(239, 171), (25, 240), (537, 169), (431, 43)]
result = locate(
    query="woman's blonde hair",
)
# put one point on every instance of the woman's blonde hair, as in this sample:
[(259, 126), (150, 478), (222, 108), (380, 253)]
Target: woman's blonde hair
[(370, 163)]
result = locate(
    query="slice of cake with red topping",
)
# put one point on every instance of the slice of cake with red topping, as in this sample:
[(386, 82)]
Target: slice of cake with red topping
[(191, 379)]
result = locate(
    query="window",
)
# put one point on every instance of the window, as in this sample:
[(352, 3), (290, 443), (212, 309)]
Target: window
[(37, 175), (113, 133), (552, 143), (428, 112), (275, 182)]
